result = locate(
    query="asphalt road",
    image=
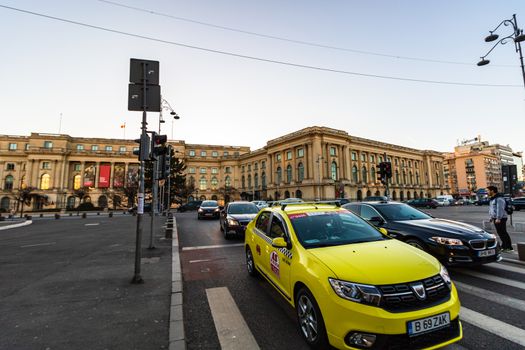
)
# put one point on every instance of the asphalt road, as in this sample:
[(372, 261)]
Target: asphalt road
[(492, 297)]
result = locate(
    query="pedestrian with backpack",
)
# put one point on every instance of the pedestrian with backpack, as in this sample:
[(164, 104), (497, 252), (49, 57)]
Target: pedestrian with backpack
[(498, 215)]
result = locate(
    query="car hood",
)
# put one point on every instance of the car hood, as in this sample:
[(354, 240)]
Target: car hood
[(242, 217), (447, 226), (379, 262)]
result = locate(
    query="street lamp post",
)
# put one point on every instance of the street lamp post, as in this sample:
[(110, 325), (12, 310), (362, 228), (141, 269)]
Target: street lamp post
[(517, 36)]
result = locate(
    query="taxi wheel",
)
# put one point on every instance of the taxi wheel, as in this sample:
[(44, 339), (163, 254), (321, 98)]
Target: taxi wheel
[(416, 243), (310, 320), (250, 264)]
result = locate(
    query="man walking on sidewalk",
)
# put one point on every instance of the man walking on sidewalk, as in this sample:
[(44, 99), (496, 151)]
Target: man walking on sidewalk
[(499, 217)]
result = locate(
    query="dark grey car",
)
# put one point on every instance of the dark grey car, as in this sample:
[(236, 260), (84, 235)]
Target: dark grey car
[(236, 216)]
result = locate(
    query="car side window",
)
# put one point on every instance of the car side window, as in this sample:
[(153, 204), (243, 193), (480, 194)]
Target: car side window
[(276, 228), (354, 208), (262, 221), (368, 212)]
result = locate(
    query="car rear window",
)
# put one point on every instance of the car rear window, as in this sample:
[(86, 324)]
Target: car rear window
[(242, 208), (209, 204), (321, 229)]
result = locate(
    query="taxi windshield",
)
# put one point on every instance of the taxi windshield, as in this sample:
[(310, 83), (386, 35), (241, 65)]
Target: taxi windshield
[(329, 228)]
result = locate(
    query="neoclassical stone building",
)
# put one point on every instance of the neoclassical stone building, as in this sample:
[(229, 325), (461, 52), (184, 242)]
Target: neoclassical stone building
[(315, 162)]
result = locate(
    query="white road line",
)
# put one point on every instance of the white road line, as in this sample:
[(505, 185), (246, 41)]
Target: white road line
[(454, 347), (497, 298), (507, 267), (214, 246), (198, 261), (37, 245), (93, 224), (232, 330), (502, 329), (497, 279)]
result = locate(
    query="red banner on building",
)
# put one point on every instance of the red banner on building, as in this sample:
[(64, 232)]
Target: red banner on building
[(104, 173)]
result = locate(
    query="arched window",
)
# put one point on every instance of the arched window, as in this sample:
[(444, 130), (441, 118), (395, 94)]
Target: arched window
[(300, 172), (417, 178), (5, 203), (333, 170), (263, 180), (373, 174), (214, 183), (397, 176), (191, 181), (203, 184), (117, 202), (70, 202), (288, 173), (76, 182), (256, 180), (227, 181), (394, 195), (9, 182), (44, 182), (214, 197), (368, 193), (23, 182), (402, 196), (249, 180), (404, 179), (242, 182), (408, 195), (103, 201), (287, 194), (298, 194), (377, 193), (279, 175), (355, 176), (359, 195), (364, 174), (415, 195), (438, 180), (410, 178)]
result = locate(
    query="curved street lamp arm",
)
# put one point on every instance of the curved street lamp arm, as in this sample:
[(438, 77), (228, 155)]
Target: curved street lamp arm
[(506, 22), (501, 41)]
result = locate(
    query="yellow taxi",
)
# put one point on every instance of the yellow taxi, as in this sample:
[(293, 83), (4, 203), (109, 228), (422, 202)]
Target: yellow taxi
[(351, 285)]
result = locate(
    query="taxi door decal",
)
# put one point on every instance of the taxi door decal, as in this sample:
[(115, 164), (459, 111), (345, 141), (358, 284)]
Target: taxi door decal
[(274, 263)]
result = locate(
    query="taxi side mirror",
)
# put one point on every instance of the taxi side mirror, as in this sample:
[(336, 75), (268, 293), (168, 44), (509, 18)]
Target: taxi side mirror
[(279, 242), (383, 231)]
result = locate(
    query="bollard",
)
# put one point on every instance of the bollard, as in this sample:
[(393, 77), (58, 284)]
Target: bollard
[(169, 233), (98, 213), (110, 214), (521, 250), (57, 216), (41, 215), (84, 215), (28, 217), (169, 224), (70, 214)]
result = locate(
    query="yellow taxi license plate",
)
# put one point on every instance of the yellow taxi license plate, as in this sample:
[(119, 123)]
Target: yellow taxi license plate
[(428, 324)]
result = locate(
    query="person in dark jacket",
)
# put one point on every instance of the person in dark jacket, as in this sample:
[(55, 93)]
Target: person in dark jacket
[(499, 217)]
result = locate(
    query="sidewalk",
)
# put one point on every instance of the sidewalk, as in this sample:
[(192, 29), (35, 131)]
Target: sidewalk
[(76, 293)]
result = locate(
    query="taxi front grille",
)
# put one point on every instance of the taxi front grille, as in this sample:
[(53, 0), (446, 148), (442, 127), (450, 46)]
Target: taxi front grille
[(401, 297)]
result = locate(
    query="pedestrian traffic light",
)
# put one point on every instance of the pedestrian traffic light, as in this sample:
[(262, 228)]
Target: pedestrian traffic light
[(159, 139), (143, 151), (388, 170)]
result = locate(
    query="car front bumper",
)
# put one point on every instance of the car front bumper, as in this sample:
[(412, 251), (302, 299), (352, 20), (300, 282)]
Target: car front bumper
[(462, 255)]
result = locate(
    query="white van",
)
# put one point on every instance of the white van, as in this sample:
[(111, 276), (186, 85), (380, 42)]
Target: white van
[(445, 200)]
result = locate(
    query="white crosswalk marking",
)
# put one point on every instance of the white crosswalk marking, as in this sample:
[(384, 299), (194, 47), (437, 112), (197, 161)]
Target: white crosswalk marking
[(497, 298), (232, 330), (506, 281), (502, 329), (214, 246), (507, 267)]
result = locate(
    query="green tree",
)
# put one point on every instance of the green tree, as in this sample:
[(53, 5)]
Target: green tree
[(23, 197)]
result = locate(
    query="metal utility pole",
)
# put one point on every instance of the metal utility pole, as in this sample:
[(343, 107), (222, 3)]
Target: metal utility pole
[(387, 180), (153, 200)]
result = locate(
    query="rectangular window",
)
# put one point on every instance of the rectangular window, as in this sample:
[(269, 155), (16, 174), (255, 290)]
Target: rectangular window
[(191, 170), (10, 166), (203, 153), (13, 146), (289, 155), (242, 169), (278, 157), (77, 167), (203, 170), (363, 157), (109, 148), (27, 147), (227, 170), (300, 152), (94, 147), (192, 153), (235, 154), (225, 153), (249, 167), (214, 154), (354, 156), (332, 151), (48, 144), (215, 171), (122, 149), (46, 165), (263, 164), (372, 158), (80, 147), (136, 149)]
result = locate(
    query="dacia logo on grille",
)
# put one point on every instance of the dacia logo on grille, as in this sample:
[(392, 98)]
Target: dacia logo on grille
[(419, 289)]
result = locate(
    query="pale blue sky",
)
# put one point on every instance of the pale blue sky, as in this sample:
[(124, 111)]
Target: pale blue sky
[(50, 67)]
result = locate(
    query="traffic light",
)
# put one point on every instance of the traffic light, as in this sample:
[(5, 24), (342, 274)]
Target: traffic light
[(143, 151), (157, 145), (388, 170)]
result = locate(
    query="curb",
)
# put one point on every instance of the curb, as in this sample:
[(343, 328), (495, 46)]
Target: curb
[(177, 339), (25, 223)]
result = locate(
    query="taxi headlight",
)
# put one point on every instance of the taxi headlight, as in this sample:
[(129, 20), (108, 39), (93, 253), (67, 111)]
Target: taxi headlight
[(232, 222), (361, 293), (444, 274), (447, 241)]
